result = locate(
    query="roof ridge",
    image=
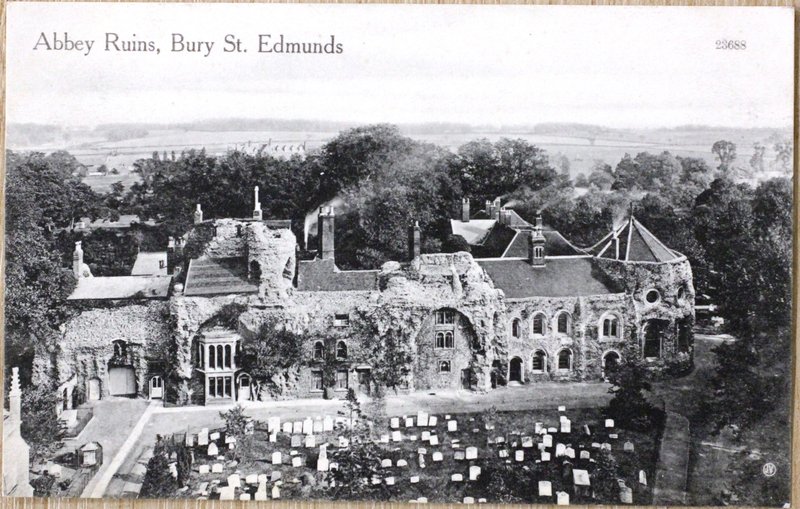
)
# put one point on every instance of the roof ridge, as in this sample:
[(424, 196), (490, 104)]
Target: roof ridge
[(649, 239)]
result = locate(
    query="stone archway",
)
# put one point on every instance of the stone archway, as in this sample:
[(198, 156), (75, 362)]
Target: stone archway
[(515, 370)]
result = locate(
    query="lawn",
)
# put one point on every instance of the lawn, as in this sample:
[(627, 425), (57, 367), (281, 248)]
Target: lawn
[(434, 479)]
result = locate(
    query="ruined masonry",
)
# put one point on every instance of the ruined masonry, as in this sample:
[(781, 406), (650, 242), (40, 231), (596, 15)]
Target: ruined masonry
[(524, 306)]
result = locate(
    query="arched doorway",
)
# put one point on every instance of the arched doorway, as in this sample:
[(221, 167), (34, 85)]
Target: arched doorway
[(156, 387), (93, 389), (122, 381), (515, 370), (243, 394), (610, 362)]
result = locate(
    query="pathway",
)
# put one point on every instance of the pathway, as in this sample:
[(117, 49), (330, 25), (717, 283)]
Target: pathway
[(673, 462)]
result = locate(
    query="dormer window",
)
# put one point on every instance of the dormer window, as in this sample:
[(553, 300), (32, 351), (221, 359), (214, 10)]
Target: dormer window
[(341, 320), (538, 252)]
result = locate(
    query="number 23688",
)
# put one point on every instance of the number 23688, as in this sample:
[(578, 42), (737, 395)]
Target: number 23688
[(730, 44)]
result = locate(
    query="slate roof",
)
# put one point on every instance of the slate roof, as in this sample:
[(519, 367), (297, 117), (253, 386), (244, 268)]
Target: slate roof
[(121, 287), (323, 276), (218, 276), (149, 264), (556, 245), (560, 277), (636, 244)]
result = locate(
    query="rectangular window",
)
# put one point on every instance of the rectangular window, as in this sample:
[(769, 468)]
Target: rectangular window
[(316, 380), (445, 317), (341, 320), (228, 383), (341, 379)]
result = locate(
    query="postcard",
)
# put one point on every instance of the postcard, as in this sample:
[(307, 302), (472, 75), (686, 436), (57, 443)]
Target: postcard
[(410, 253)]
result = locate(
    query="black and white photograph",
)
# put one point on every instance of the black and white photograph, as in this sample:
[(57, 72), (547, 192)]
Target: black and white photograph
[(462, 254)]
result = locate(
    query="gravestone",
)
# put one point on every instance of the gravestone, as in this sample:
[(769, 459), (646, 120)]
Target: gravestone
[(263, 478), (456, 477), (642, 478), (189, 441), (469, 500), (297, 440), (214, 436), (628, 447), (422, 500), (287, 427), (587, 430), (562, 409), (344, 442), (474, 472), (297, 461), (545, 489), (297, 427), (626, 495), (545, 456), (433, 420), (402, 463), (499, 440), (538, 427), (527, 442), (394, 422), (459, 456), (422, 418), (389, 481), (204, 469), (585, 455), (569, 452), (276, 492), (566, 426), (434, 440), (452, 426), (547, 440), (235, 481), (276, 476), (472, 453), (251, 479), (273, 424), (606, 446), (276, 458), (227, 493), (244, 496), (504, 453), (437, 456), (216, 468), (519, 455), (318, 425), (308, 426), (202, 437), (414, 479), (580, 477), (273, 437), (322, 464), (311, 441), (261, 494), (409, 422), (609, 423), (327, 424), (426, 435), (562, 498), (613, 436), (386, 463), (396, 436)]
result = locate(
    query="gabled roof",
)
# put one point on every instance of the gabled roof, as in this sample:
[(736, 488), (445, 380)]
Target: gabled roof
[(559, 277), (636, 244), (150, 264), (121, 287), (555, 245), (474, 231), (218, 276), (323, 276)]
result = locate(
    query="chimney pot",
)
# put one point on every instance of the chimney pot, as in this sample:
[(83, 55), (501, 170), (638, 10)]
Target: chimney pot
[(465, 210), (257, 214), (414, 241), (198, 215), (15, 396)]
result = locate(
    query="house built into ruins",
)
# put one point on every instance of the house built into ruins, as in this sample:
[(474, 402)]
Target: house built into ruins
[(524, 306)]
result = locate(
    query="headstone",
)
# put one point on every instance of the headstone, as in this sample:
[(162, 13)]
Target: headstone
[(472, 453), (297, 427), (204, 469), (537, 427), (394, 422), (562, 409), (235, 481), (261, 495), (527, 442), (276, 492), (585, 455), (384, 439), (297, 440), (422, 500), (276, 458), (297, 461), (287, 427), (587, 430), (344, 442), (562, 498), (545, 489), (327, 424), (499, 440), (412, 438), (402, 463), (409, 422), (216, 468), (308, 426), (642, 478), (317, 425), (230, 439), (433, 420), (426, 435), (214, 436), (244, 496), (452, 426), (322, 464), (437, 456), (459, 456), (251, 479), (628, 446), (273, 424), (414, 479), (580, 477), (569, 452), (626, 495), (552, 429), (227, 493), (434, 440), (202, 437), (389, 481), (189, 440), (547, 440), (276, 476), (474, 472), (613, 436), (422, 450), (386, 463), (545, 456), (595, 445), (422, 418), (609, 423), (273, 437), (263, 478), (397, 436), (566, 426), (456, 477), (606, 446), (469, 500), (311, 441), (481, 500)]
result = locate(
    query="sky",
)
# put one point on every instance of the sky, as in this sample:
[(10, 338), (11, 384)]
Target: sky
[(494, 65)]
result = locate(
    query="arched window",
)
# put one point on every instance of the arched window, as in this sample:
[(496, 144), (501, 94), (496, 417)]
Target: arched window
[(563, 323), (539, 362), (228, 356), (565, 360), (319, 351), (445, 320), (611, 361), (220, 357), (120, 348), (212, 357), (515, 328), (341, 350), (440, 340), (448, 340), (444, 367), (609, 327), (539, 328)]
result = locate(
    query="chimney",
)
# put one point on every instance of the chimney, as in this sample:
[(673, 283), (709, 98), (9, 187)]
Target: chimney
[(465, 210), (170, 255), (77, 260), (325, 233), (536, 244), (15, 397), (198, 215), (616, 242), (489, 208), (496, 208), (257, 214), (504, 217), (414, 241)]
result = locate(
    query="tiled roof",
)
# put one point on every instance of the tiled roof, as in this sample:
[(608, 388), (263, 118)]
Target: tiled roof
[(495, 243), (323, 276), (555, 245), (121, 287), (636, 244), (150, 264), (560, 277), (473, 231), (218, 276)]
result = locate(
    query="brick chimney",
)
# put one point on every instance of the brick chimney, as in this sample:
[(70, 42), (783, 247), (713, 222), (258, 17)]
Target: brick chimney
[(170, 255), (536, 244), (257, 214), (325, 233), (15, 397), (198, 215), (465, 210), (488, 208), (496, 209), (414, 241), (77, 260), (504, 217)]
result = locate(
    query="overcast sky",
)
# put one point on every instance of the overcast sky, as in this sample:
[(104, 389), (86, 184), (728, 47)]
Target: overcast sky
[(621, 67)]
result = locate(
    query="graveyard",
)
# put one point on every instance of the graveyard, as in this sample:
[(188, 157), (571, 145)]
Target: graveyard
[(564, 456)]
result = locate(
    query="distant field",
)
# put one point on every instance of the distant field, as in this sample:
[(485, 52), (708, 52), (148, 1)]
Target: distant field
[(581, 150)]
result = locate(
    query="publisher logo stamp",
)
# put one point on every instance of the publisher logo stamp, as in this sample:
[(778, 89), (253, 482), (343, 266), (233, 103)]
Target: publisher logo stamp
[(769, 469)]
